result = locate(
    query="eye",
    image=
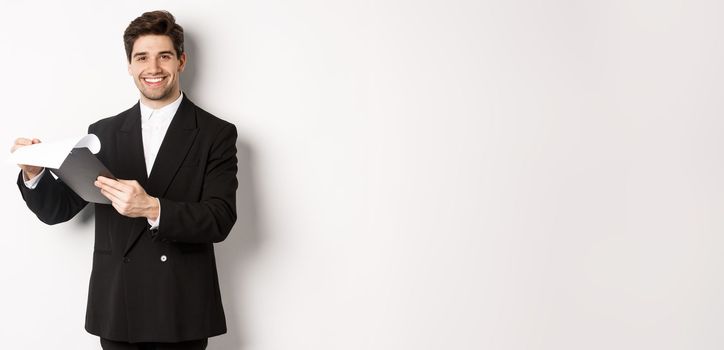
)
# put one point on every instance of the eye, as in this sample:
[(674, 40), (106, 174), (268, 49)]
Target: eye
[(140, 58), (166, 57)]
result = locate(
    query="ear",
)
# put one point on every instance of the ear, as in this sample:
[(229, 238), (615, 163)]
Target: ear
[(130, 72), (182, 62)]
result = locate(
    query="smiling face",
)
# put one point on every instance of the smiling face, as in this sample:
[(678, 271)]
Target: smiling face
[(155, 69)]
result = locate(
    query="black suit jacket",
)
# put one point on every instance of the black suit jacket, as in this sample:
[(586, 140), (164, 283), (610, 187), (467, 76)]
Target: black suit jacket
[(159, 286)]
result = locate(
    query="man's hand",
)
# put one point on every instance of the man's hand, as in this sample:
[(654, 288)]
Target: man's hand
[(29, 171), (128, 198)]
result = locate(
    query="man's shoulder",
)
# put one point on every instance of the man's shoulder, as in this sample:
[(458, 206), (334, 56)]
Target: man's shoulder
[(209, 125), (206, 119)]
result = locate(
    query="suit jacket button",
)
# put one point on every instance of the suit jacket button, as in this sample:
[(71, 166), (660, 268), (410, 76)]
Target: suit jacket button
[(163, 258), (126, 259)]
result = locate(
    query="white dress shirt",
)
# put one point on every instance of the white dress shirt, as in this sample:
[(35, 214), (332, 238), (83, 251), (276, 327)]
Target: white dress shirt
[(154, 124)]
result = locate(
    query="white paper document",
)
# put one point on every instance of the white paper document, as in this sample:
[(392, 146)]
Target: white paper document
[(52, 154)]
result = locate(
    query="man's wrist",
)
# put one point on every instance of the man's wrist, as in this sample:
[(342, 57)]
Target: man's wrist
[(27, 176), (153, 210)]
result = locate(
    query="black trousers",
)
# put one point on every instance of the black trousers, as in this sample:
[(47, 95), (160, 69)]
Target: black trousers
[(186, 345)]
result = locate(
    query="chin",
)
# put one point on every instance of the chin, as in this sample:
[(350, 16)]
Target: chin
[(156, 96)]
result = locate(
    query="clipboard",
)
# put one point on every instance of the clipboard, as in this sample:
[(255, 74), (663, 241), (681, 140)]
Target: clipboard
[(79, 170), (72, 160)]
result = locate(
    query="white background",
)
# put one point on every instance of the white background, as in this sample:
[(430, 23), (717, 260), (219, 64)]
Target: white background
[(418, 175)]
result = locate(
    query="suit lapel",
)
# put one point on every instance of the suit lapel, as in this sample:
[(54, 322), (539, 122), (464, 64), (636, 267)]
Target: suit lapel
[(176, 144), (129, 149)]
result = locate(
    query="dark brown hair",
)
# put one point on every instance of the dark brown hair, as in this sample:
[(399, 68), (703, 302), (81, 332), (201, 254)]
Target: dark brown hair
[(154, 23)]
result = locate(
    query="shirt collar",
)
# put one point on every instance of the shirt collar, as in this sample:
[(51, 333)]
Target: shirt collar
[(169, 109)]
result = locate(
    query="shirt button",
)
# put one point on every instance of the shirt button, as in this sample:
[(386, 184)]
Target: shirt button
[(163, 258)]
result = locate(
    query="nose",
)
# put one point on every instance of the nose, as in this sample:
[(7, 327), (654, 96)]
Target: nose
[(154, 66)]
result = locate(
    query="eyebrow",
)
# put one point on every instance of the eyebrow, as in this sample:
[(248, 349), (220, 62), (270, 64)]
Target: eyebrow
[(143, 53)]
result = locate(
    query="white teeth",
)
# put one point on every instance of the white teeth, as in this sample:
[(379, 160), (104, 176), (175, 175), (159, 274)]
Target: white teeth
[(152, 80)]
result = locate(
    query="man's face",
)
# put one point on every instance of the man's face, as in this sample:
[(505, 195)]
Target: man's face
[(155, 69)]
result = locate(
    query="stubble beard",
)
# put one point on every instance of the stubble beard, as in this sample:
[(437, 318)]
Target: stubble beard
[(158, 96)]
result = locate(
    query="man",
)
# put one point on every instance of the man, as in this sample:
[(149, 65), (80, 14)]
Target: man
[(154, 283)]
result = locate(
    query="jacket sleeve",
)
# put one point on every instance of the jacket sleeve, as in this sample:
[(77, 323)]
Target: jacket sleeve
[(51, 200), (210, 220)]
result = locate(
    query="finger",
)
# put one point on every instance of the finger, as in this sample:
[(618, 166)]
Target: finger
[(111, 196), (107, 195), (112, 186), (113, 183), (23, 141), (20, 142), (123, 209), (119, 195), (128, 182), (131, 184), (116, 207)]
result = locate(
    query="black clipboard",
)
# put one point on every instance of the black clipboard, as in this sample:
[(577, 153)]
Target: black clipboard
[(79, 170)]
